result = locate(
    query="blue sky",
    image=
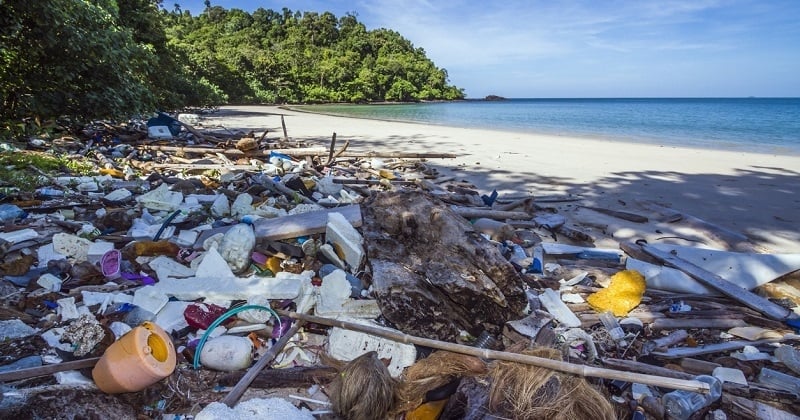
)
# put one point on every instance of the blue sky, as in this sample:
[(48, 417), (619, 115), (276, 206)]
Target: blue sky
[(533, 48)]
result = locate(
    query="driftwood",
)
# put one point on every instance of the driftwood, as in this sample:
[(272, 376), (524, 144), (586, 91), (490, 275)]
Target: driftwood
[(718, 323), (631, 217), (434, 275), (16, 375), (292, 377), (477, 213), (302, 152), (751, 300)]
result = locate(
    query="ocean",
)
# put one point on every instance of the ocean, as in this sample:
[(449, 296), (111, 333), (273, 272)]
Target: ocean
[(764, 125)]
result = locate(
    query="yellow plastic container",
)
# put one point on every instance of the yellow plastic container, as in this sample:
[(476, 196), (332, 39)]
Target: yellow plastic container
[(140, 358)]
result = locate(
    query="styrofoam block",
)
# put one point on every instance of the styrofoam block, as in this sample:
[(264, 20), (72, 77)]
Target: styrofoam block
[(47, 253), (19, 235), (213, 265), (170, 317), (161, 199), (342, 234), (347, 345), (67, 309), (71, 246), (150, 299), (49, 282), (334, 299), (166, 267), (283, 286), (187, 237), (118, 195)]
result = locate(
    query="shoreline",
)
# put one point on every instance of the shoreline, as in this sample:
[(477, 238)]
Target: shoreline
[(653, 141), (755, 194)]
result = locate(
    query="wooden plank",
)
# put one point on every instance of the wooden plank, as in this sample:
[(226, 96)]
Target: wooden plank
[(19, 374), (729, 289)]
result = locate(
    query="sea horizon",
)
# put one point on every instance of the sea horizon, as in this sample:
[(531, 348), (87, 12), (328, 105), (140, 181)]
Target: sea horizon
[(749, 124)]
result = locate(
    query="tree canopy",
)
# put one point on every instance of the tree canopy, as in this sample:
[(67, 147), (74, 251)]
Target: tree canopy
[(286, 56), (91, 59)]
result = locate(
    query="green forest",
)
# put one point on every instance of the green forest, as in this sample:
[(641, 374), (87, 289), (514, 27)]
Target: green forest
[(94, 59)]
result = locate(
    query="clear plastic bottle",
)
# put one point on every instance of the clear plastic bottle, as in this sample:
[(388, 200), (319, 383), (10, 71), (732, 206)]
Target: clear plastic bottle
[(612, 325), (682, 404)]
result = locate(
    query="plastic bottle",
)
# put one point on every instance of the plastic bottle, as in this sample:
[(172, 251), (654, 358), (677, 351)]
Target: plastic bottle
[(610, 322), (237, 245), (140, 358), (682, 404), (9, 212), (779, 380)]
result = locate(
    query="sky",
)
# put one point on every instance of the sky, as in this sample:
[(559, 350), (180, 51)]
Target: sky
[(580, 49)]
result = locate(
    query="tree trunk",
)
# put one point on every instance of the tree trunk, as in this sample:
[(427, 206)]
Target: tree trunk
[(433, 275)]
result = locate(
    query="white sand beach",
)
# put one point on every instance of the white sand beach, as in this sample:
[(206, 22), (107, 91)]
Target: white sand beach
[(757, 195)]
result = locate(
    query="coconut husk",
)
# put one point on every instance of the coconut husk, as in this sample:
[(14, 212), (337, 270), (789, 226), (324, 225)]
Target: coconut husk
[(522, 391), (432, 372), (363, 390)]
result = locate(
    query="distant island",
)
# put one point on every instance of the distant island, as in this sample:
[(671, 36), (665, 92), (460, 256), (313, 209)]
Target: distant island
[(494, 98)]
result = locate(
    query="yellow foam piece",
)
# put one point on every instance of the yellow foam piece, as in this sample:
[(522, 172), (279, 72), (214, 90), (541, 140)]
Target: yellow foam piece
[(623, 294)]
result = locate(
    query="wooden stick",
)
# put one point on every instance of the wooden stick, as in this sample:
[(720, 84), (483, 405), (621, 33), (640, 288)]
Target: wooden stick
[(580, 370), (526, 203), (713, 323), (348, 181), (233, 396), (304, 151), (333, 149), (16, 375), (339, 152), (751, 300), (630, 365), (477, 213), (678, 352), (283, 124), (203, 166)]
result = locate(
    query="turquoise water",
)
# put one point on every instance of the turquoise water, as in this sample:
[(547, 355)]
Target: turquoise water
[(767, 125)]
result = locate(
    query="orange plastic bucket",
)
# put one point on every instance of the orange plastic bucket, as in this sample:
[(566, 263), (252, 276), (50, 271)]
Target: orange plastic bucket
[(140, 358)]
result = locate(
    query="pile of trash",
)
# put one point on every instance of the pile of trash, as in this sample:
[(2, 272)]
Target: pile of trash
[(217, 274)]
